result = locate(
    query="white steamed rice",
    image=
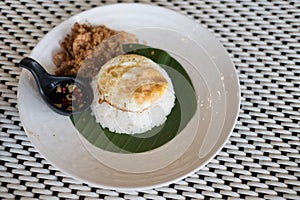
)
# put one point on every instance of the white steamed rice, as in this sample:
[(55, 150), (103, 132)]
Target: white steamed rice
[(120, 121)]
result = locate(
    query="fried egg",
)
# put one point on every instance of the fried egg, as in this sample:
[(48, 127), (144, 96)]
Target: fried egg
[(133, 94)]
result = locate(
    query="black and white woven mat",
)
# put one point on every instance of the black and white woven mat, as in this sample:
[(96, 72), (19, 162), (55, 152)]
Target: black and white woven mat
[(260, 160)]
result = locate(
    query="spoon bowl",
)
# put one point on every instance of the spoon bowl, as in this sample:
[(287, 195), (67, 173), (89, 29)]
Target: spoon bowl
[(65, 95)]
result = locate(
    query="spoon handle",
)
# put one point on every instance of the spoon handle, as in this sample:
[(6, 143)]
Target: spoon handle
[(39, 73)]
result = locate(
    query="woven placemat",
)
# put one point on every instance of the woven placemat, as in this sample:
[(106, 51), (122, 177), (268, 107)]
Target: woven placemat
[(261, 158)]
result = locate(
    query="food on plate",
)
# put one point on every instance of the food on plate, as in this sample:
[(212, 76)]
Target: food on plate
[(87, 48), (132, 94)]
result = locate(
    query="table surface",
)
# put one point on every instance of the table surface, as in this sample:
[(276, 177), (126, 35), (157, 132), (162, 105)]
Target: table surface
[(261, 158)]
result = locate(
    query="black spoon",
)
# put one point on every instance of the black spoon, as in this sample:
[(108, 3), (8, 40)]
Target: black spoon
[(63, 94)]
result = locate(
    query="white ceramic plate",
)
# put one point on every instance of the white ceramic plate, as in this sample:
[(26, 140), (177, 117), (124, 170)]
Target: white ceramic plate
[(212, 73)]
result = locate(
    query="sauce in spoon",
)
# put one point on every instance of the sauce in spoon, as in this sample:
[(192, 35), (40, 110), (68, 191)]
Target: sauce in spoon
[(68, 96)]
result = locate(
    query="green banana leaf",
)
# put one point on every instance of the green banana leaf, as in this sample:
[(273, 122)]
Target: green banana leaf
[(183, 110)]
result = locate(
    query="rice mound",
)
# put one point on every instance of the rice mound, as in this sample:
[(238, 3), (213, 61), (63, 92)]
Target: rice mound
[(126, 122)]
